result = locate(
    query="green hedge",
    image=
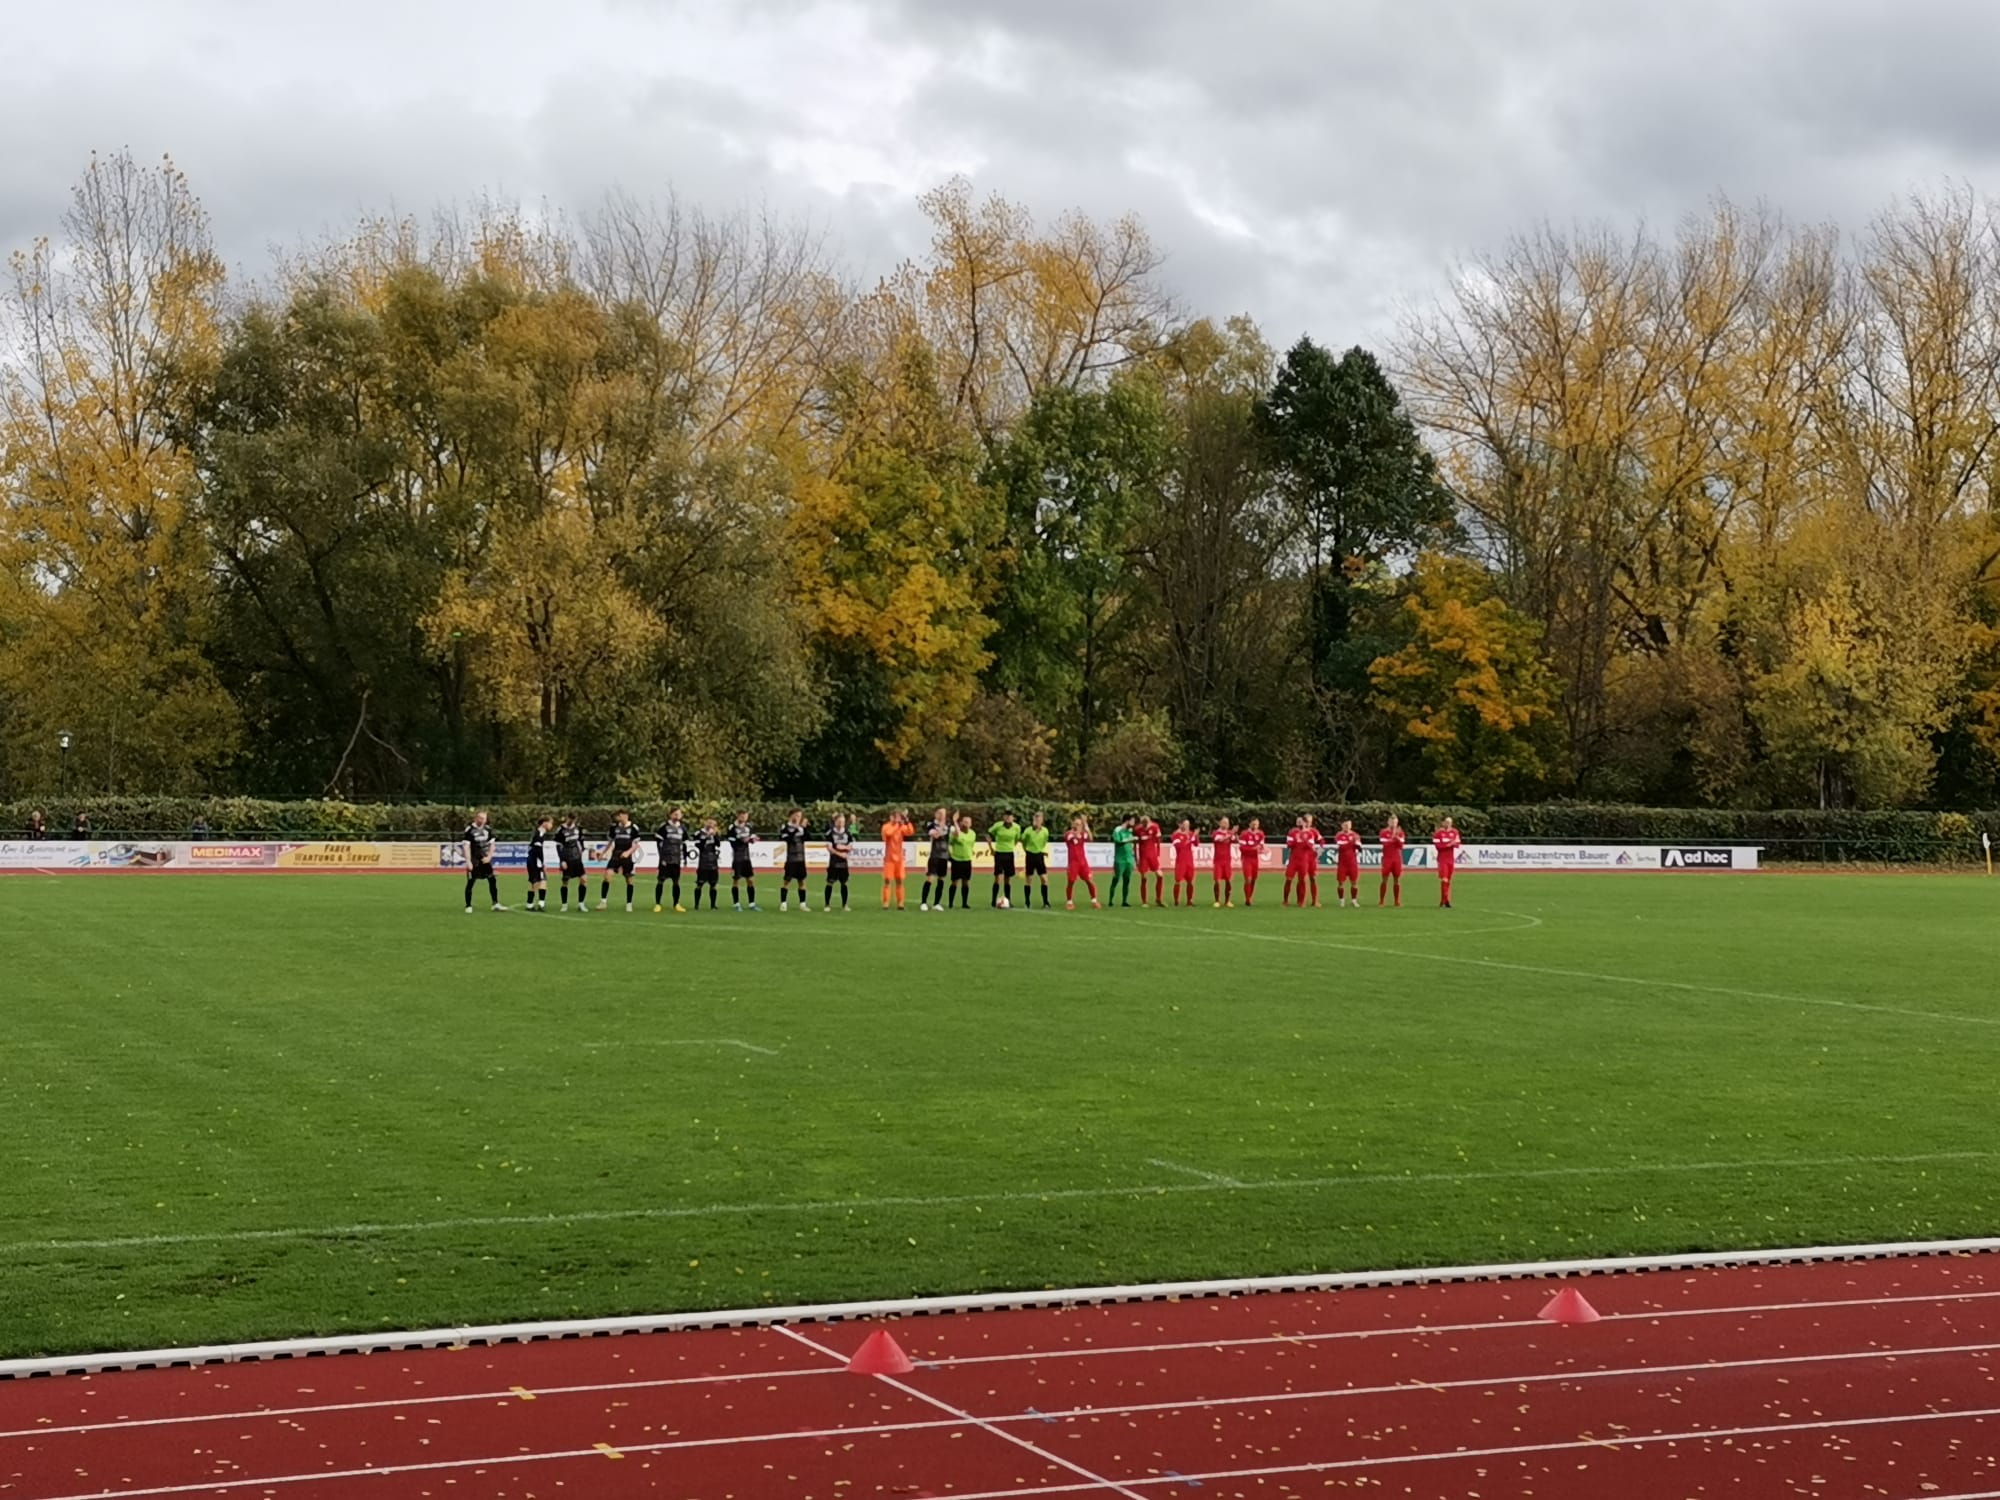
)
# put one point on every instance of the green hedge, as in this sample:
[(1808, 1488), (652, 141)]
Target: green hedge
[(1787, 835)]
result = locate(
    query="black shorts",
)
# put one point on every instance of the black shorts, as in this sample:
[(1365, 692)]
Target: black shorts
[(836, 869), (961, 869), (481, 872), (795, 869), (938, 866), (742, 870), (707, 875), (671, 868), (1003, 863), (536, 875), (1038, 864), (619, 864), (573, 869)]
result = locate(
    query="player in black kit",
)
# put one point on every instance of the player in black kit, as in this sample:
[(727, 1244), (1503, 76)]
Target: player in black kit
[(622, 858), (839, 846), (793, 834), (569, 849), (478, 840), (707, 859), (538, 879), (937, 869), (671, 837), (741, 871)]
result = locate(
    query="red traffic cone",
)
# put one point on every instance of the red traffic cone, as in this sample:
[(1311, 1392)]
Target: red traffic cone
[(1568, 1306), (882, 1355)]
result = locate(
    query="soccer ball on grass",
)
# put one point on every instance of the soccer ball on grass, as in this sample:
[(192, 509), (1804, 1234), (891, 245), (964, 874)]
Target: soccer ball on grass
[(1005, 903)]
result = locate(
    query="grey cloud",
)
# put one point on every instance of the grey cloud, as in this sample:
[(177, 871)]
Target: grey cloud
[(1313, 164)]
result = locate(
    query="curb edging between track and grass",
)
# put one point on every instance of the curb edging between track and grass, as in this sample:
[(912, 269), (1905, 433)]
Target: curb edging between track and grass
[(580, 1328)]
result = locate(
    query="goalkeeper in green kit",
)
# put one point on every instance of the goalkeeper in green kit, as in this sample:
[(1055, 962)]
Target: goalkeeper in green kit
[(1004, 837), (1123, 839)]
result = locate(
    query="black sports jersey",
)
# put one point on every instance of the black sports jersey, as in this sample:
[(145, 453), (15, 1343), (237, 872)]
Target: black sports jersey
[(536, 852), (707, 849), (672, 839), (740, 840), (839, 844), (794, 836), (569, 844), (940, 836), (480, 838), (624, 837)]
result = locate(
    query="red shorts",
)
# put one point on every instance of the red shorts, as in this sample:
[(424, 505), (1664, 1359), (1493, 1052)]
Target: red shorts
[(1350, 869), (1222, 868), (1149, 861), (1447, 864), (1183, 872), (1393, 866)]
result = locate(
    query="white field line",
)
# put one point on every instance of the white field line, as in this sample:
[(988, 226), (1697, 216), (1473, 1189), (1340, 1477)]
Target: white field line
[(497, 1333), (368, 1229), (1556, 1377), (1215, 1177), (1678, 985), (721, 1041), (1097, 1481), (958, 1419)]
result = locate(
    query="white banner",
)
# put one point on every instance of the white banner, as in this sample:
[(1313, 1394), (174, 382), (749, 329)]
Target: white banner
[(61, 855)]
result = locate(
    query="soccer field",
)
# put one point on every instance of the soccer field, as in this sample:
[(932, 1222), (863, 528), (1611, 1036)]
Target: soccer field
[(256, 1106)]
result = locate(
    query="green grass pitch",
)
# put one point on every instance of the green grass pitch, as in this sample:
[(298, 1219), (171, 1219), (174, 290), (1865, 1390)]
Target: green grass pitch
[(258, 1106)]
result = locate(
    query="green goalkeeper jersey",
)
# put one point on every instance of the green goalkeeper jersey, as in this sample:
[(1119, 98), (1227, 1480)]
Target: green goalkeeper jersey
[(1122, 839)]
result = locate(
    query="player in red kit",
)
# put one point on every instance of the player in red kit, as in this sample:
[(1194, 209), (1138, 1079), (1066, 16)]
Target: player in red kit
[(1392, 840), (1224, 839), (1446, 841), (1347, 864), (1317, 840), (1186, 841), (1076, 844), (1251, 843), (1296, 845), (1149, 861)]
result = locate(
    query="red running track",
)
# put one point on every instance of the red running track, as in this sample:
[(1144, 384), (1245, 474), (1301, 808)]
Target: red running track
[(1856, 1378)]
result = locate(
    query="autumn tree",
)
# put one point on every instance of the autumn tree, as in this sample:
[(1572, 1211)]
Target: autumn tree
[(1467, 693), (108, 605)]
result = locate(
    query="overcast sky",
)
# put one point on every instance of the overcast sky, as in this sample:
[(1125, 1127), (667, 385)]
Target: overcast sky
[(1316, 163)]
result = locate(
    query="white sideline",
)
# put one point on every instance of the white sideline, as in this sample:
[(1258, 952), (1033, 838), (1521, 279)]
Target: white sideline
[(966, 1200), (502, 1333)]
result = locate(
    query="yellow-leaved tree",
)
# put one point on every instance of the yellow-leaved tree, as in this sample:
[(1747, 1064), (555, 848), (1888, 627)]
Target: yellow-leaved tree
[(108, 608), (1468, 692)]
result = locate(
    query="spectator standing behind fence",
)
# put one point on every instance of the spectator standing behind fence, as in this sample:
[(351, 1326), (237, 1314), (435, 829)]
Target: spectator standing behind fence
[(198, 830), (79, 827), (38, 826)]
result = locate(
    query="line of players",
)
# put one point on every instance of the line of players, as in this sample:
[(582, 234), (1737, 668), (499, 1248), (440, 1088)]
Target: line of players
[(1137, 843)]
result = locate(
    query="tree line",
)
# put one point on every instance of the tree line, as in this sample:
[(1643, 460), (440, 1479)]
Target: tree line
[(657, 500)]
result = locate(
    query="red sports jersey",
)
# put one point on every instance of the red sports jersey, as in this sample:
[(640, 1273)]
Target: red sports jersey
[(1149, 845), (1300, 850), (1347, 845), (1392, 840), (1225, 849), (1251, 842), (1184, 846), (1446, 842), (1078, 848)]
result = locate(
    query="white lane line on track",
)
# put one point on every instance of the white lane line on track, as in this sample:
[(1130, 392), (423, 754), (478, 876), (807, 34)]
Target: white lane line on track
[(967, 1200), (1678, 985), (1097, 1481), (1097, 1351), (960, 1419), (1555, 1377)]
